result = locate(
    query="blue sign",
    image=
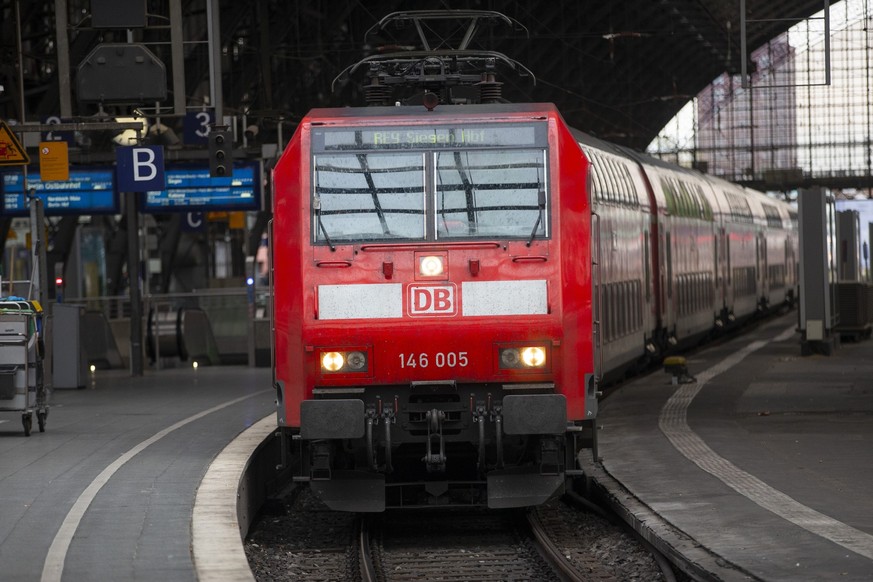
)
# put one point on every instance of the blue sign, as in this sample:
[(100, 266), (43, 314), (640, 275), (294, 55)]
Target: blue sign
[(196, 126), (140, 168), (194, 222), (189, 188), (88, 191)]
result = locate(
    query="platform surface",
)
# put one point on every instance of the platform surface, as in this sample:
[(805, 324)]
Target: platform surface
[(765, 462), (107, 492)]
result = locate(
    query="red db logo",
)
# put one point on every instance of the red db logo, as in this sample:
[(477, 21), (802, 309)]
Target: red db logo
[(432, 300)]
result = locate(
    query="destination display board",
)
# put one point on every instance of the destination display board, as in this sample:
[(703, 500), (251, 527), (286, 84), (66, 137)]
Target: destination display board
[(89, 190), (190, 187), (429, 137)]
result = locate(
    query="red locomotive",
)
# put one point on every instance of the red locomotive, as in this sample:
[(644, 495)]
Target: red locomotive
[(452, 282)]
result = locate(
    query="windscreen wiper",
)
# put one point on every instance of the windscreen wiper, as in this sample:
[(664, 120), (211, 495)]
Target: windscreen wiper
[(541, 205), (316, 205)]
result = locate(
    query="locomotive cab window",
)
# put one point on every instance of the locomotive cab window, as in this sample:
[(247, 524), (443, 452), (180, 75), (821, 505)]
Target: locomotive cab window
[(369, 196), (494, 194), (430, 183)]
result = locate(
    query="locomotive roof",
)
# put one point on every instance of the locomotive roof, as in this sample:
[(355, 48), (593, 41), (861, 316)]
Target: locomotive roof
[(439, 111)]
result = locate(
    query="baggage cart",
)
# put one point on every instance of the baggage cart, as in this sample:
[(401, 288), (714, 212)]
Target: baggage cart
[(21, 363)]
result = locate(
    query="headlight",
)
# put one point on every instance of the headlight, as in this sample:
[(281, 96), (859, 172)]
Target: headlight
[(509, 358), (533, 357), (523, 357), (332, 361), (431, 266), (354, 361)]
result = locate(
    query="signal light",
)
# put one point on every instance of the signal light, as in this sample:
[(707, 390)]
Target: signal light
[(59, 289), (220, 153)]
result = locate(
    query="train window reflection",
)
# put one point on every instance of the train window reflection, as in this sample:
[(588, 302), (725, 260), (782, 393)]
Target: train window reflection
[(490, 194), (368, 196)]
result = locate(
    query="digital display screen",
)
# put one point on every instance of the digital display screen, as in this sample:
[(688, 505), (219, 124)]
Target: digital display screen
[(88, 191), (498, 135), (190, 187)]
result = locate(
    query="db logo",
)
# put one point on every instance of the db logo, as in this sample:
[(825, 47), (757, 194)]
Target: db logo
[(432, 300)]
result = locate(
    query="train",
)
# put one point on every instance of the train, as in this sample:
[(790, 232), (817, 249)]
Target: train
[(453, 284)]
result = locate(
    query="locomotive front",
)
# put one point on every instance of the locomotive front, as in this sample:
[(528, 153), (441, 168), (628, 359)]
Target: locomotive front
[(432, 304)]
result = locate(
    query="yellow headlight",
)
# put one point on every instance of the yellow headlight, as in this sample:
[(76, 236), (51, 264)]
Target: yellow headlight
[(332, 361), (533, 357)]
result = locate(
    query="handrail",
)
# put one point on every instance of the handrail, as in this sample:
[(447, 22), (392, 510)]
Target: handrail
[(428, 247), (530, 259), (598, 372)]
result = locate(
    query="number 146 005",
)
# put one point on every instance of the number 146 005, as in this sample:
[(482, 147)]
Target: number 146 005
[(437, 360)]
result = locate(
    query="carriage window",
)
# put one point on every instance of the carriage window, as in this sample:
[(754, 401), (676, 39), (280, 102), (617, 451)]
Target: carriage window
[(369, 196), (490, 193)]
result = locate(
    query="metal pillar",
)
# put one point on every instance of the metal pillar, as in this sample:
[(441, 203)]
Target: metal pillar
[(134, 278), (63, 52), (817, 237), (178, 57), (214, 34)]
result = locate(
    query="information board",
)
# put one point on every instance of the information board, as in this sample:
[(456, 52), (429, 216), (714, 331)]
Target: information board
[(189, 187), (90, 190)]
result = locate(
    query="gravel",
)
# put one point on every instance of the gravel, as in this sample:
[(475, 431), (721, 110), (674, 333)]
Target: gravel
[(297, 538)]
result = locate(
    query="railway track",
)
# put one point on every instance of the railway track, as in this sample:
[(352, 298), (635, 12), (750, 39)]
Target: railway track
[(552, 542), (453, 545), (300, 538)]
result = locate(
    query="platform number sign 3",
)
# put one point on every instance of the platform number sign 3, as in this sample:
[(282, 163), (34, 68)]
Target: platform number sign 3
[(197, 125)]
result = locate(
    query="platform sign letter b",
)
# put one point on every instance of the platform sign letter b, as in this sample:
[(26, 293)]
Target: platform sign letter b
[(144, 168), (140, 168)]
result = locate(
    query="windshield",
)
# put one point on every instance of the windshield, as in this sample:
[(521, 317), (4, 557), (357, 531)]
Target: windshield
[(430, 183), (370, 196), (488, 193)]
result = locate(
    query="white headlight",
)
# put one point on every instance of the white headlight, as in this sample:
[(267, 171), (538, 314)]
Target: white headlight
[(431, 266), (332, 361), (533, 357)]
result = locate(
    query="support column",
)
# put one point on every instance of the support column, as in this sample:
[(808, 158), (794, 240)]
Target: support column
[(818, 310)]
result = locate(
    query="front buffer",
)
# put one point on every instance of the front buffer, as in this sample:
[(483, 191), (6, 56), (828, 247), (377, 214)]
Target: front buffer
[(437, 444)]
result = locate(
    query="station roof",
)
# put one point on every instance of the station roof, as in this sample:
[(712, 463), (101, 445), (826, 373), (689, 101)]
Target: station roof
[(618, 69)]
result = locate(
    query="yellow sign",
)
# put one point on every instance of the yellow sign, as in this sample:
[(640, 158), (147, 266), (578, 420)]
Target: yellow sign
[(237, 220), (12, 153), (54, 161)]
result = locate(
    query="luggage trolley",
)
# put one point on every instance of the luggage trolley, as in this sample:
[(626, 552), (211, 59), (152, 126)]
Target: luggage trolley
[(21, 362)]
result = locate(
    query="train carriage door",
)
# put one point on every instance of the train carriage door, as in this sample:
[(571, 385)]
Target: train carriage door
[(763, 283), (728, 270), (721, 268), (668, 283)]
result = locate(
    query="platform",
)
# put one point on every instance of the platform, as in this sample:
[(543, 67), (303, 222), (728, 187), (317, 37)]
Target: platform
[(107, 492), (761, 469)]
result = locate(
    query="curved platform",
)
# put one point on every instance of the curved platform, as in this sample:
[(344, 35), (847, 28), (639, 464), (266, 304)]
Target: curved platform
[(108, 491), (760, 469)]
